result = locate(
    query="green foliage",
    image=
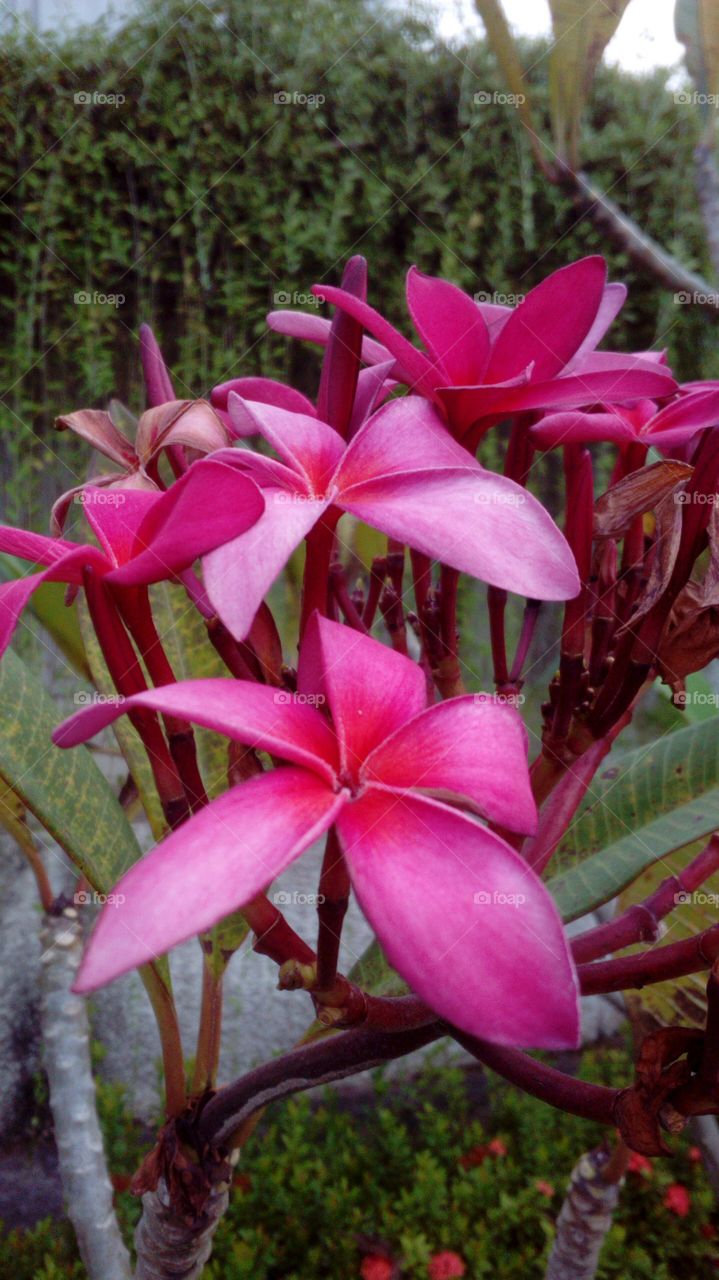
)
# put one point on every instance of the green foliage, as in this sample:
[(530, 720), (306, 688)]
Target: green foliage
[(406, 1168), (64, 789), (198, 198), (642, 805)]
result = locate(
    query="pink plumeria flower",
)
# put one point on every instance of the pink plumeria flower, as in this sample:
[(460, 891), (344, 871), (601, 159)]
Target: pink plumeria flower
[(145, 536), (190, 423), (484, 361), (458, 912), (670, 428), (402, 473)]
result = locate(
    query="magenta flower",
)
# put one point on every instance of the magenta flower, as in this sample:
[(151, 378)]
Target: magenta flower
[(672, 427), (145, 536), (459, 913), (485, 362), (402, 473)]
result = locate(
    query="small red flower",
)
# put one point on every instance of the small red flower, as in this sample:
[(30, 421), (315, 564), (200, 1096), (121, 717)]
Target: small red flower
[(695, 1155), (640, 1164), (678, 1200), (477, 1155), (374, 1267), (545, 1188), (708, 1230), (444, 1266)]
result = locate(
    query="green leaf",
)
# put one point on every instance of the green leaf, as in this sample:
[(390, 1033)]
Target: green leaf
[(582, 30), (643, 805), (374, 974), (192, 657), (64, 789)]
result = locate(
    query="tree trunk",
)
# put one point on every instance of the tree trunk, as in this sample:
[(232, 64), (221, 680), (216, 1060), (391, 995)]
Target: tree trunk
[(586, 1216), (169, 1249), (66, 1049)]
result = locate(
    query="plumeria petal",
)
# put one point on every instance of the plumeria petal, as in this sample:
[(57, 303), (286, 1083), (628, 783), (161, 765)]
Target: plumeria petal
[(239, 574), (214, 863), (475, 521), (370, 689), (549, 325), (111, 480), (450, 326), (192, 423), (463, 919), (157, 378), (15, 595), (471, 747), (298, 324), (613, 299), (574, 426), (632, 381), (678, 422), (97, 428), (257, 715), (266, 391), (309, 446), (423, 374), (404, 435), (211, 504), (373, 385)]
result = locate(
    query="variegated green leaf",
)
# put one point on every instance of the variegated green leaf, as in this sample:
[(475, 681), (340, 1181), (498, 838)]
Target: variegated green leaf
[(64, 789), (642, 806)]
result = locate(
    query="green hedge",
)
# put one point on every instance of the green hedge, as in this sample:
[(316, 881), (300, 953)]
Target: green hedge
[(198, 197)]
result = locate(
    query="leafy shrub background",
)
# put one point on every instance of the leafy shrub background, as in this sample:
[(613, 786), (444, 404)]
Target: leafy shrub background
[(317, 1184), (199, 198)]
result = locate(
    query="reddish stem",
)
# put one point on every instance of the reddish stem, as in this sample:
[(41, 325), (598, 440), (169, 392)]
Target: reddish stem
[(640, 923), (334, 895)]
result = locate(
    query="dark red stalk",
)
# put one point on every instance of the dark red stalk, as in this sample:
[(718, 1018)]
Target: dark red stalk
[(567, 1093), (496, 605), (338, 585), (220, 638), (137, 613), (640, 923), (274, 937), (378, 573), (676, 960), (334, 896), (341, 363), (127, 677), (564, 801), (315, 587)]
